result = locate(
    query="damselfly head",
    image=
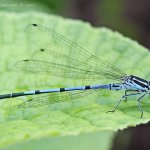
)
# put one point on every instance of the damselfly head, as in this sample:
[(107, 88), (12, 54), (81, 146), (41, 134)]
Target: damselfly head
[(127, 79)]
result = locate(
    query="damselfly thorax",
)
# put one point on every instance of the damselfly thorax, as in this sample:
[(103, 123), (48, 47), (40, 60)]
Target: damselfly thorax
[(136, 83)]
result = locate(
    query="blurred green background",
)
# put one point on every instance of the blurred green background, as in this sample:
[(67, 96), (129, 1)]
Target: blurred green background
[(131, 18)]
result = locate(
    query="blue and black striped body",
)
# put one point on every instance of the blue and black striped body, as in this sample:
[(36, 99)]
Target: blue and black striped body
[(78, 88), (130, 83)]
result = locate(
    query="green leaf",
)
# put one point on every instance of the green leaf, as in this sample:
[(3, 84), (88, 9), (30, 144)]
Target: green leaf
[(70, 118)]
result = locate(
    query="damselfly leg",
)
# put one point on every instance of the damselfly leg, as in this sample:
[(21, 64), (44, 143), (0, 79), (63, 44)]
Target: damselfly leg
[(125, 96)]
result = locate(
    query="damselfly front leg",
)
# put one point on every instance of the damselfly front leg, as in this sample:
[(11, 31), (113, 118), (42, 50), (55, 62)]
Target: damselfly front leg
[(126, 91)]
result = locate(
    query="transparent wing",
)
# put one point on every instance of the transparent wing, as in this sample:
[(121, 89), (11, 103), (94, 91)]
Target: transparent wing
[(53, 98), (61, 57)]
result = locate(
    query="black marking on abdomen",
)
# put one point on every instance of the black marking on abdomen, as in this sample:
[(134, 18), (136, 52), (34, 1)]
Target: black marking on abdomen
[(62, 89), (110, 86), (87, 87), (17, 94), (37, 92)]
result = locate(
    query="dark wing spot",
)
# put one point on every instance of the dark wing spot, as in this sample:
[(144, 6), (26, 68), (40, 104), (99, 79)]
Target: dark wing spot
[(42, 50), (34, 25)]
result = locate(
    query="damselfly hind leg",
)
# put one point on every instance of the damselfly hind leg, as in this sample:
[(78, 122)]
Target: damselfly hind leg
[(139, 105), (117, 104)]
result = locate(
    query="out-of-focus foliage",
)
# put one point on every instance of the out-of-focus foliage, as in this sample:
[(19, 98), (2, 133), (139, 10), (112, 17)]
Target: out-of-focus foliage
[(96, 141)]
